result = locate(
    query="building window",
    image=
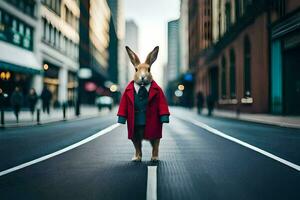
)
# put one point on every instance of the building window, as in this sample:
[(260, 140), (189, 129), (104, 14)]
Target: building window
[(279, 6), (232, 75), (223, 78), (227, 16), (15, 31), (47, 31), (237, 9), (25, 6), (247, 67)]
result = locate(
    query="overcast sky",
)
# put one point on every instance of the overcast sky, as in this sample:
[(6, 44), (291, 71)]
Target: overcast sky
[(152, 16)]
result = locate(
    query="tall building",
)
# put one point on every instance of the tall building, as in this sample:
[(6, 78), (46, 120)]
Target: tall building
[(59, 48), (250, 53), (183, 36), (131, 40), (117, 13), (94, 48), (173, 50), (19, 57)]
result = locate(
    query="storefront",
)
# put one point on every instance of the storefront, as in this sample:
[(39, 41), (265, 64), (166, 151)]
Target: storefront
[(18, 63), (72, 86), (51, 81), (285, 69)]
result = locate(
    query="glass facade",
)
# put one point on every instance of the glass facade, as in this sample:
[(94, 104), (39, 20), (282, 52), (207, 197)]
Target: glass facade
[(15, 31)]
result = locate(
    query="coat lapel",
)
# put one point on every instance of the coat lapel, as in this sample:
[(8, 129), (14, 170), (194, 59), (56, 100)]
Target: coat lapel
[(130, 92), (153, 91)]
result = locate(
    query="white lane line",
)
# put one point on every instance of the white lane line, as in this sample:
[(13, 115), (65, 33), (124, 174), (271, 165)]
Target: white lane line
[(152, 183), (254, 148), (56, 153)]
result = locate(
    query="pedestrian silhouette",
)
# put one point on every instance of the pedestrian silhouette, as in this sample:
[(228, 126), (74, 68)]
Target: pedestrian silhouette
[(32, 99), (210, 102), (2, 99), (46, 99), (200, 102), (16, 102)]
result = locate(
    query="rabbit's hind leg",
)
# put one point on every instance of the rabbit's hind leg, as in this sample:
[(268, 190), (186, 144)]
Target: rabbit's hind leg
[(155, 148), (138, 147)]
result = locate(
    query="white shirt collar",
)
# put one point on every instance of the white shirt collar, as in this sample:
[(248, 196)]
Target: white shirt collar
[(137, 87)]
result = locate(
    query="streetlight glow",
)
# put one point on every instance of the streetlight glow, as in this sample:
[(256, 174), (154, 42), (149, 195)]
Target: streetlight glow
[(113, 88), (181, 87), (46, 67)]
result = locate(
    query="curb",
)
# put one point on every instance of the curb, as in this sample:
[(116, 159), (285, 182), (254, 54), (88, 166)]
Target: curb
[(22, 125), (280, 124)]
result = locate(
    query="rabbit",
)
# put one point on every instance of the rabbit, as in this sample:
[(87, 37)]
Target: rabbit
[(144, 106)]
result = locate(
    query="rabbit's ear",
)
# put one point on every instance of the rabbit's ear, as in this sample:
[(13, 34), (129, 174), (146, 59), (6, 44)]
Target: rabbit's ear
[(152, 56), (133, 57)]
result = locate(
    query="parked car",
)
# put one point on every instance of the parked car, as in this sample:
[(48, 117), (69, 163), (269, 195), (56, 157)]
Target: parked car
[(104, 102)]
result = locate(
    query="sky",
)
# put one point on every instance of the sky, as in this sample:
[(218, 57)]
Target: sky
[(151, 17)]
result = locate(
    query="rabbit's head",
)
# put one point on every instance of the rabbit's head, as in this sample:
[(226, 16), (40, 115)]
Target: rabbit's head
[(142, 74)]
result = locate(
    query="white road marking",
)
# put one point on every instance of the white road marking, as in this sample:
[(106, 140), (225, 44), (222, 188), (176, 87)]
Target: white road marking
[(152, 183), (219, 133), (56, 153)]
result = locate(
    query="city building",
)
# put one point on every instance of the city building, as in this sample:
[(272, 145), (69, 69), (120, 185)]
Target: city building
[(94, 48), (183, 37), (59, 48), (244, 64), (118, 18), (173, 51), (19, 58), (131, 40)]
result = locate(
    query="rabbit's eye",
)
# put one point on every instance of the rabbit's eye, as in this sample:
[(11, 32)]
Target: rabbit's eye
[(148, 69), (135, 69)]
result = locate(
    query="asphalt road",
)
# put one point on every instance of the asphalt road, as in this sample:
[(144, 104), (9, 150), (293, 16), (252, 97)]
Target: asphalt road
[(195, 163)]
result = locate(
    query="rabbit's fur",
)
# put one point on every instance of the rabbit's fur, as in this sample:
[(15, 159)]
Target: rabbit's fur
[(142, 74), (143, 77)]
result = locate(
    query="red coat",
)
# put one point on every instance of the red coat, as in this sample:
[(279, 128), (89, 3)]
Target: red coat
[(157, 106)]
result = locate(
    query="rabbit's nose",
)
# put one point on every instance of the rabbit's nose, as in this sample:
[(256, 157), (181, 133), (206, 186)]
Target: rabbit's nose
[(143, 78)]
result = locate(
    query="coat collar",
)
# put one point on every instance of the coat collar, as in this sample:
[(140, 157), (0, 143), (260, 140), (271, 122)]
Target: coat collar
[(154, 88)]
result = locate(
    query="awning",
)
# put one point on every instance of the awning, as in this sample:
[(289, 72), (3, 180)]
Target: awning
[(17, 59)]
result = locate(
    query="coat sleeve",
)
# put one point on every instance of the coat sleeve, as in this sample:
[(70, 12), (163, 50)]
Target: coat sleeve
[(122, 112), (163, 105)]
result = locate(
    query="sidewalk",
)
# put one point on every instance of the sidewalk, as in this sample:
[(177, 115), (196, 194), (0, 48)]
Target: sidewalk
[(26, 119), (284, 121)]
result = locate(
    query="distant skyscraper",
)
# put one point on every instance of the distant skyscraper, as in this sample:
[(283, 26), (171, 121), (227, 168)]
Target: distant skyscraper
[(173, 50), (131, 40)]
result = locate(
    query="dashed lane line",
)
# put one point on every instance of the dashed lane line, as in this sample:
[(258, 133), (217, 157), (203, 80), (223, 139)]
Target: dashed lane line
[(152, 183)]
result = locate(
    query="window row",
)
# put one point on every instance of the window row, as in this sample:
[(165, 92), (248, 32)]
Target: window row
[(232, 72), (15, 31), (56, 39), (54, 5), (71, 18), (25, 6)]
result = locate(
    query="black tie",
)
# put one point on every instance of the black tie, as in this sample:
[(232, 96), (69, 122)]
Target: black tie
[(143, 92)]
